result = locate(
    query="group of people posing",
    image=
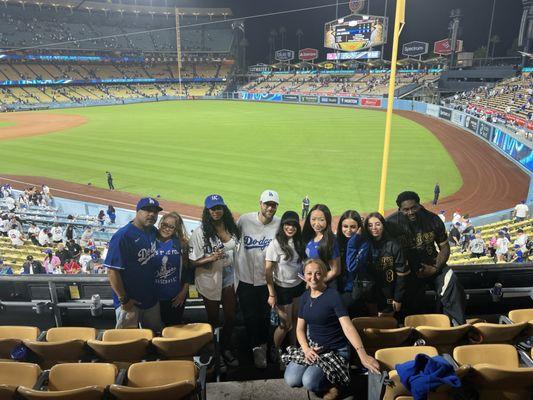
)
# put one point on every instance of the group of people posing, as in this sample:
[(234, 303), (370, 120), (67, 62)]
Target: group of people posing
[(315, 280)]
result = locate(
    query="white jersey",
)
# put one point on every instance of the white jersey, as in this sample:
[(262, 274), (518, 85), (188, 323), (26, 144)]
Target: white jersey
[(521, 210), (57, 233), (16, 237), (250, 257), (285, 272)]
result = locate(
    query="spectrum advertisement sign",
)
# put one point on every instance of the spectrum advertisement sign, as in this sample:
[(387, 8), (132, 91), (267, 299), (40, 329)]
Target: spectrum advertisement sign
[(514, 148)]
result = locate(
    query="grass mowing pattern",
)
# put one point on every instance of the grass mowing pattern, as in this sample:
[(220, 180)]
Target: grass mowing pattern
[(5, 124), (187, 150)]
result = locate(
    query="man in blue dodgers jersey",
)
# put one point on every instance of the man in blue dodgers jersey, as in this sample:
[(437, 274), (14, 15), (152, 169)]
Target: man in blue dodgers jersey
[(257, 231), (131, 269)]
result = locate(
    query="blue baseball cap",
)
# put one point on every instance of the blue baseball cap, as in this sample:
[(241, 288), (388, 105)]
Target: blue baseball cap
[(148, 202), (214, 200)]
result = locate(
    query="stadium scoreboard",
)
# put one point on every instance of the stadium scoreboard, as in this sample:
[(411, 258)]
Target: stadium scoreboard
[(355, 32)]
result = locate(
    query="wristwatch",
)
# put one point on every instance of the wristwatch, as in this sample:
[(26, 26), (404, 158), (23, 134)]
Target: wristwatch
[(124, 300)]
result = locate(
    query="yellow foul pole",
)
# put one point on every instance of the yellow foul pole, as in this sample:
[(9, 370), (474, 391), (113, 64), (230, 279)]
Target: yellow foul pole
[(178, 48), (399, 22)]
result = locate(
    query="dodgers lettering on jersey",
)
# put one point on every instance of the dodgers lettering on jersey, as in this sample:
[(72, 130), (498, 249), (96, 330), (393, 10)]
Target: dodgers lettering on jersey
[(251, 243), (145, 255), (167, 275)]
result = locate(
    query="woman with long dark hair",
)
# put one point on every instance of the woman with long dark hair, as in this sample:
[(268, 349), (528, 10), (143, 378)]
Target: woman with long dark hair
[(320, 241), (211, 253), (173, 275), (353, 249), (387, 266), (284, 260)]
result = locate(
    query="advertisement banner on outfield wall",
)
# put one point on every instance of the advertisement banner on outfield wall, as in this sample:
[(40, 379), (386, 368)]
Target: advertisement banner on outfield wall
[(471, 123), (354, 101), (370, 102), (514, 148), (484, 130), (308, 99), (329, 100), (432, 110), (458, 117), (291, 97), (445, 113), (261, 96)]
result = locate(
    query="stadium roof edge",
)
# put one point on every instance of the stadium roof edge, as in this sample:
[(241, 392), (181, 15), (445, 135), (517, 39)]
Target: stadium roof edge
[(128, 8)]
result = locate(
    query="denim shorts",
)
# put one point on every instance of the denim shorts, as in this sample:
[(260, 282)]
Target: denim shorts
[(228, 276)]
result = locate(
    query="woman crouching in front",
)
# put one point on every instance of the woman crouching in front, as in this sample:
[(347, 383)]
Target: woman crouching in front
[(323, 315)]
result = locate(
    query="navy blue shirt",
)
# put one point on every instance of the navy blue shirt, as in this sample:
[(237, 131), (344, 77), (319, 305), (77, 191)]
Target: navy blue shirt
[(168, 269), (322, 317), (131, 252)]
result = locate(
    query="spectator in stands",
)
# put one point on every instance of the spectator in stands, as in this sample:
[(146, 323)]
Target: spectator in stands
[(44, 237), (323, 328), (467, 231), (57, 233), (17, 238), (212, 249), (86, 238), (454, 237), (320, 241), (518, 254), (63, 253), (51, 263), (74, 249), (521, 240), (111, 213), (71, 266), (257, 230), (131, 269), (33, 234), (5, 269), (70, 233), (10, 203), (31, 266), (457, 217), (101, 217), (521, 211), (86, 261), (442, 215), (492, 246), (284, 258), (387, 267), (5, 225), (173, 274), (502, 247), (476, 246), (353, 250), (421, 233)]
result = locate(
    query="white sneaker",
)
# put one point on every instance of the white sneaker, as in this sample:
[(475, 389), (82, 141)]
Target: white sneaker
[(230, 359), (260, 356)]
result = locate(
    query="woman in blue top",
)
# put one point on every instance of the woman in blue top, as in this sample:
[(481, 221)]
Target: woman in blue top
[(173, 275), (320, 241), (111, 213), (323, 327)]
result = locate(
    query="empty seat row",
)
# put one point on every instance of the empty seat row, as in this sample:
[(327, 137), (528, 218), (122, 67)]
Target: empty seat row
[(70, 344), (161, 380)]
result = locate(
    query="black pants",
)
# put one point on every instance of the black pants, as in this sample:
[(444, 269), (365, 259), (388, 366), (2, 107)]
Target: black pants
[(170, 315), (305, 211), (255, 311), (110, 184), (435, 199), (451, 297)]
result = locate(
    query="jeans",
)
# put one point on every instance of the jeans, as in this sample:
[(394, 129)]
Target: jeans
[(255, 311), (311, 377)]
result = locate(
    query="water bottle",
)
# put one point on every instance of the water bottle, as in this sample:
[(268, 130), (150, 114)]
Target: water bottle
[(96, 305)]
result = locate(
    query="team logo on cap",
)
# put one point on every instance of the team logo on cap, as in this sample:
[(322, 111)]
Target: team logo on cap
[(151, 201), (214, 197)]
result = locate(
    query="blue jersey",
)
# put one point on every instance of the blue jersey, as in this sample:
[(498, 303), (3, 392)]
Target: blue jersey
[(168, 269), (131, 251), (311, 250)]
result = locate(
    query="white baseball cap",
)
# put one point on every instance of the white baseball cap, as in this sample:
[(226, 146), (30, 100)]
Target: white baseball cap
[(269, 195)]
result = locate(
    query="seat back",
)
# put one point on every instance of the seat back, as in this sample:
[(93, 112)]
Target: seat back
[(502, 355), (434, 320), (443, 338), (499, 333), (70, 333), (120, 335), (19, 332), (160, 373), (524, 315), (77, 375), (361, 323), (388, 358), (19, 374), (183, 340)]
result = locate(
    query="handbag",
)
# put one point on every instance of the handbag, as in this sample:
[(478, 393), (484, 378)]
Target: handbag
[(363, 286)]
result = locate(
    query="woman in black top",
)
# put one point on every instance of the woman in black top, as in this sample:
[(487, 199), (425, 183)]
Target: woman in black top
[(387, 266)]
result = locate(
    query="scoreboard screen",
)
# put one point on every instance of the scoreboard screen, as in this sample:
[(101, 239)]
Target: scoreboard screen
[(355, 32)]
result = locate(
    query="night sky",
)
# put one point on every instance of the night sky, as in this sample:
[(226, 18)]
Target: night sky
[(426, 20)]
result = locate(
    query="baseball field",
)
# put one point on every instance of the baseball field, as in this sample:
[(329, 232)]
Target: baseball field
[(183, 151)]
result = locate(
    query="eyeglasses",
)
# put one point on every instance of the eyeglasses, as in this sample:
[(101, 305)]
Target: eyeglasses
[(164, 225)]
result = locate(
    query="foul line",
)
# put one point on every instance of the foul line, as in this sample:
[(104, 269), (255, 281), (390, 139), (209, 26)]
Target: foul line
[(89, 196)]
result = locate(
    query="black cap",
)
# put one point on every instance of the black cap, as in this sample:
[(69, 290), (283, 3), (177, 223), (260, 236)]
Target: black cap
[(290, 216)]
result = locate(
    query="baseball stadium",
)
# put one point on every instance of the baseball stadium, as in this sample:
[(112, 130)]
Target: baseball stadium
[(181, 181)]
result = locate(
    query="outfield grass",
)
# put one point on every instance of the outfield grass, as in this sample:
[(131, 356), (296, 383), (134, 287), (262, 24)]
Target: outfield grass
[(5, 124), (186, 150)]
